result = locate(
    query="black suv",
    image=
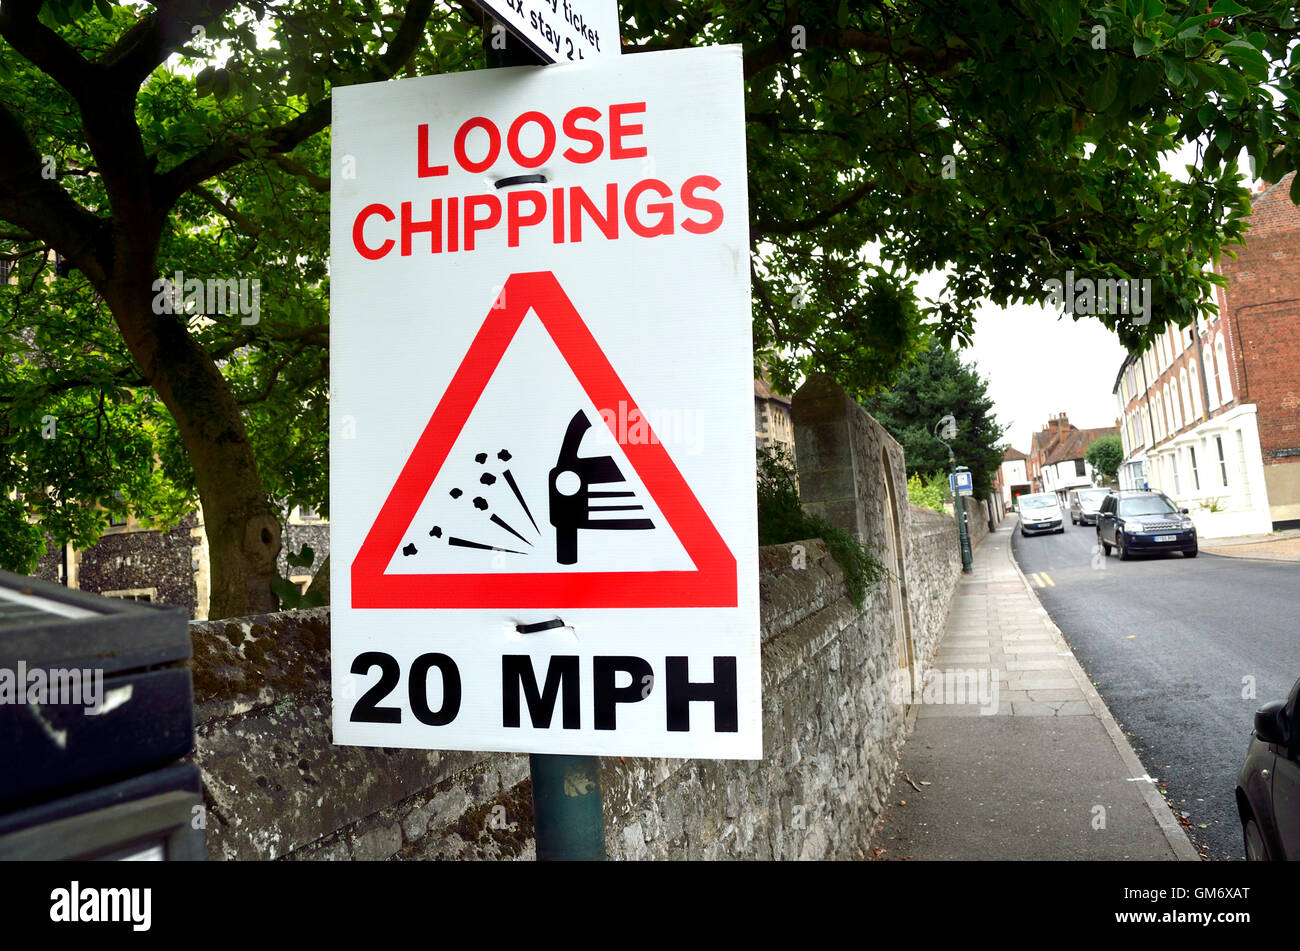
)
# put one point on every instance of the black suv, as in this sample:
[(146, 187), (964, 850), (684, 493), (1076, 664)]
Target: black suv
[(1135, 523)]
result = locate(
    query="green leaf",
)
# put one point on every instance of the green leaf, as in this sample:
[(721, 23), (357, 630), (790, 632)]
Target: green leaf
[(1142, 45), (1234, 84), (1175, 68)]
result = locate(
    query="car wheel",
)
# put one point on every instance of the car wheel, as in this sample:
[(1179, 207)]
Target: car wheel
[(1190, 554), (1119, 547), (1256, 850)]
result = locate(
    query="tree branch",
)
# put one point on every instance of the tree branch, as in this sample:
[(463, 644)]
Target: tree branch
[(233, 150), (48, 51), (144, 47), (762, 229), (40, 206), (938, 61)]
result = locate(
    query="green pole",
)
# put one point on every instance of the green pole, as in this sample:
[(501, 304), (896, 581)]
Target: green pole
[(959, 505), (568, 812), (568, 808)]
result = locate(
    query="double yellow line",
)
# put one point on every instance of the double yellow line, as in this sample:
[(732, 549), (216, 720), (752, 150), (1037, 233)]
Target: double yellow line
[(1043, 579)]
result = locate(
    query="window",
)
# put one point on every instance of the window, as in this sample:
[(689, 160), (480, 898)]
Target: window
[(132, 594), (114, 520), (1223, 464), (1173, 468), (1187, 396), (1225, 381), (1195, 389), (1196, 477), (6, 268), (1211, 383), (1079, 469)]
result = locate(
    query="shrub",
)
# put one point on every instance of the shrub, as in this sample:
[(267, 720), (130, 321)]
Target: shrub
[(928, 494)]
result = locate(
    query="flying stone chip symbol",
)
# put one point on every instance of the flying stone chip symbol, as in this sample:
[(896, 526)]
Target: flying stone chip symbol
[(572, 501)]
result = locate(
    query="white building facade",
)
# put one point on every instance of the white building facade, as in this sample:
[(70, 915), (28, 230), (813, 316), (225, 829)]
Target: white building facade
[(1185, 433)]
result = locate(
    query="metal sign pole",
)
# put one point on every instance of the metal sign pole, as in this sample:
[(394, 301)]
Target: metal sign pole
[(568, 808), (568, 804)]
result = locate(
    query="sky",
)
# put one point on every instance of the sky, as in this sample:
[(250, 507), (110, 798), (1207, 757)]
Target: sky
[(1039, 362)]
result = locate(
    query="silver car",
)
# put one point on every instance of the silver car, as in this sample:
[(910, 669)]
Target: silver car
[(1041, 513), (1084, 505)]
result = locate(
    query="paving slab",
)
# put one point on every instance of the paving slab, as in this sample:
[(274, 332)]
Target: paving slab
[(1039, 769)]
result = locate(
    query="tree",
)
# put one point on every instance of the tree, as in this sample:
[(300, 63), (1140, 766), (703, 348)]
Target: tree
[(120, 166), (1105, 455), (1006, 142), (936, 385)]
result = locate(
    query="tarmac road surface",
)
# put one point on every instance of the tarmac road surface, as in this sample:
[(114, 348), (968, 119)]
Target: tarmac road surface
[(1183, 651)]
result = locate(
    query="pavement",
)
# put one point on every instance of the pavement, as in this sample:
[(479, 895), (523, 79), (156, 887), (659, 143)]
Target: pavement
[(1274, 546), (1034, 769)]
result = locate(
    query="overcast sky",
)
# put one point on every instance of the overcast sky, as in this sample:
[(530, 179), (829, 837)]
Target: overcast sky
[(1039, 363)]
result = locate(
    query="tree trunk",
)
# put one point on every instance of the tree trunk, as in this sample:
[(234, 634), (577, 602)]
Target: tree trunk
[(243, 533)]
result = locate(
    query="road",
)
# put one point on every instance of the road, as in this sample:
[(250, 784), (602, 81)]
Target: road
[(1183, 651)]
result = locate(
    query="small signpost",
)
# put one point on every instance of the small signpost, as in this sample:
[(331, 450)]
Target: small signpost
[(542, 466), (561, 31)]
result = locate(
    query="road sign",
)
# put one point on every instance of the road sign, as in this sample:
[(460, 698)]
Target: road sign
[(561, 31), (541, 457), (960, 482)]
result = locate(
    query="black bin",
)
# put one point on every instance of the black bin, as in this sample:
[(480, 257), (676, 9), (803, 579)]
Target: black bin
[(96, 710)]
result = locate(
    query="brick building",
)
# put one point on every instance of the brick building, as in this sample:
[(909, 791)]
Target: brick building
[(1012, 478), (1057, 456), (1211, 413)]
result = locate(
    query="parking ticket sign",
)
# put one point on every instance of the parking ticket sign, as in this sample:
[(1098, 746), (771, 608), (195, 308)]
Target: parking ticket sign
[(541, 454)]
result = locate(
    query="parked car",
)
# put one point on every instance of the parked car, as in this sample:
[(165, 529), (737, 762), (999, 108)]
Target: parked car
[(1138, 522), (1268, 786), (1085, 504), (1041, 513)]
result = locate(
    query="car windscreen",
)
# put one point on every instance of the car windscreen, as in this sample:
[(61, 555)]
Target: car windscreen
[(1092, 498), (1038, 501), (1150, 505)]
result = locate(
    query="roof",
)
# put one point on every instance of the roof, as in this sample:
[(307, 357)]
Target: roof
[(763, 391), (1130, 359), (1012, 453), (1075, 443)]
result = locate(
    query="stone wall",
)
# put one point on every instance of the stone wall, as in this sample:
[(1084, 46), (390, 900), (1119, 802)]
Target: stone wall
[(276, 787), (833, 721)]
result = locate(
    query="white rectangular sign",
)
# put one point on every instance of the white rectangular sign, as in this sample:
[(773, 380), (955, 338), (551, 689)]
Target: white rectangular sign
[(561, 31), (542, 481)]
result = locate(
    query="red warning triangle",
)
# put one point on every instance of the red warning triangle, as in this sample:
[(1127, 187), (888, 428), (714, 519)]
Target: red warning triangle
[(711, 584)]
